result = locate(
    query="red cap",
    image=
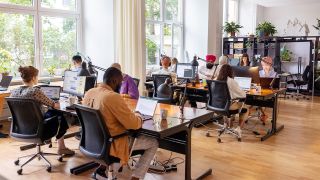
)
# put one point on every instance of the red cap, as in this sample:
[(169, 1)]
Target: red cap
[(210, 58)]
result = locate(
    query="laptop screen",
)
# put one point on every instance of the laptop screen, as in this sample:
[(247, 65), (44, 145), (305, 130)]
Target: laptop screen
[(52, 92), (5, 81), (146, 106), (243, 82)]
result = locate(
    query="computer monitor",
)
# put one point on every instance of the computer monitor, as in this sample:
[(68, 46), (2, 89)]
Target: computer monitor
[(184, 70), (74, 84), (246, 71)]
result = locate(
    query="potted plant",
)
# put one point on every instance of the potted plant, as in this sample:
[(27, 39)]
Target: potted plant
[(285, 54), (265, 29), (317, 26), (232, 28), (5, 62)]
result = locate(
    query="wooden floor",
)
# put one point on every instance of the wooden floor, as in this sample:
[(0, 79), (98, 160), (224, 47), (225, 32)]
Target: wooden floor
[(292, 154)]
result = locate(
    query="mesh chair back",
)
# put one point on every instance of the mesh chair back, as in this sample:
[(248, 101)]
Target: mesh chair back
[(136, 81), (305, 73), (27, 119), (95, 139), (90, 82), (219, 97)]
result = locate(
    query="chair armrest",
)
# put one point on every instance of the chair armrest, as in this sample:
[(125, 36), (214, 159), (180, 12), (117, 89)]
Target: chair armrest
[(126, 133)]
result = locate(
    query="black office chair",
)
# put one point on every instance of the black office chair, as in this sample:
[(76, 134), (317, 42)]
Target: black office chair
[(95, 139), (220, 101), (27, 126), (299, 80), (159, 79), (90, 82), (136, 81)]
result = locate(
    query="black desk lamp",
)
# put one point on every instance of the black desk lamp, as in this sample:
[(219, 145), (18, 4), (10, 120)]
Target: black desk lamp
[(164, 90)]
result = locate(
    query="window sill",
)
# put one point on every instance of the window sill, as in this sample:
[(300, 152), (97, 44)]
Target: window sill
[(45, 80)]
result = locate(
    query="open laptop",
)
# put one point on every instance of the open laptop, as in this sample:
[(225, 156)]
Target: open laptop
[(146, 107), (53, 92), (244, 82), (266, 82), (5, 83)]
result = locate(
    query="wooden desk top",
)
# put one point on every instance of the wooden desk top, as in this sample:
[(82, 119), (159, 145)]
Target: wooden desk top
[(252, 92)]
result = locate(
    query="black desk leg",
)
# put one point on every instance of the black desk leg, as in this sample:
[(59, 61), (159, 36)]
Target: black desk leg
[(274, 128)]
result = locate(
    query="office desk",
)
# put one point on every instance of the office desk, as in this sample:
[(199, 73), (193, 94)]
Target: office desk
[(265, 98), (173, 134)]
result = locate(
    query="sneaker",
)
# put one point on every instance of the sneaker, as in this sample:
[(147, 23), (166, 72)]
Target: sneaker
[(66, 151), (238, 131)]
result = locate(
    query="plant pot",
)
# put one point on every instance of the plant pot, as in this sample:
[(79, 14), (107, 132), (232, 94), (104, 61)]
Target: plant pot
[(232, 34)]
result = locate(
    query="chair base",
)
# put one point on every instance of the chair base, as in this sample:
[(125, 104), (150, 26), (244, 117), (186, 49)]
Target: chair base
[(39, 155), (227, 129)]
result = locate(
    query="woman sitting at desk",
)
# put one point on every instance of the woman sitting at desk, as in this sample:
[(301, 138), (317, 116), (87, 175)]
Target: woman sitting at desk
[(222, 61), (29, 75), (267, 69), (244, 61), (226, 74)]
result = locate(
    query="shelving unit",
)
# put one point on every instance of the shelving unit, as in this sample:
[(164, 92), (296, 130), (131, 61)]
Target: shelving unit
[(271, 45)]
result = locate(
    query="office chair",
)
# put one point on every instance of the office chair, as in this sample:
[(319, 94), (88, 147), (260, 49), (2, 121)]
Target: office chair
[(220, 101), (136, 81), (159, 79), (299, 80), (28, 127), (96, 140)]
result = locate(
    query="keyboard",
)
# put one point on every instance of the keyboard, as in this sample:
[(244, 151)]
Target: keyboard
[(71, 107), (3, 89), (146, 117)]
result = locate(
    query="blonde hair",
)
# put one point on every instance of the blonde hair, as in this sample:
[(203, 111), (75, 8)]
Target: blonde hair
[(223, 60), (116, 65)]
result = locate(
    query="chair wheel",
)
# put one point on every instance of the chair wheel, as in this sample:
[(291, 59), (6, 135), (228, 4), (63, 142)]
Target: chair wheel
[(219, 140), (207, 134), (50, 145), (246, 121), (239, 139), (49, 169), (94, 175), (263, 123), (19, 171), (297, 99), (60, 159), (16, 162)]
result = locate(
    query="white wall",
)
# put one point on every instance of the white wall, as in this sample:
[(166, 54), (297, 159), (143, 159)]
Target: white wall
[(305, 13), (203, 27), (247, 16), (196, 27), (98, 32)]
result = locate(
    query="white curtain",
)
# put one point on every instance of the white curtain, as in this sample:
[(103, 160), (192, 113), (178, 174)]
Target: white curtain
[(130, 38)]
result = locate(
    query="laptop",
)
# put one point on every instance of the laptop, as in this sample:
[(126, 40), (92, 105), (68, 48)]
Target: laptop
[(244, 82), (265, 82), (53, 92), (146, 107), (5, 83)]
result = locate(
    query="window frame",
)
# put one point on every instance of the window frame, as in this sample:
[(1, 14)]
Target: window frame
[(38, 12), (162, 21)]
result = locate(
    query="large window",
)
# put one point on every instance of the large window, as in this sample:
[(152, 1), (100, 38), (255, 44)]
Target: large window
[(164, 29), (42, 33)]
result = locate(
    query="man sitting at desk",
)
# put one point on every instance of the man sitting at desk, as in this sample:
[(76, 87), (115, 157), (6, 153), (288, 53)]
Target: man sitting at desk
[(119, 119), (79, 66), (165, 63), (207, 71)]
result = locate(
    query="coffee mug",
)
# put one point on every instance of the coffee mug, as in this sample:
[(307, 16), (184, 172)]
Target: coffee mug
[(258, 89), (72, 100), (163, 113)]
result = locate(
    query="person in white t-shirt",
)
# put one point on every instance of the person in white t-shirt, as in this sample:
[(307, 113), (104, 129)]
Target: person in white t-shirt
[(226, 74), (222, 60), (165, 63)]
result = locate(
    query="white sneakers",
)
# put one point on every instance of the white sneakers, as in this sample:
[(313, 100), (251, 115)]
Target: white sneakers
[(238, 131)]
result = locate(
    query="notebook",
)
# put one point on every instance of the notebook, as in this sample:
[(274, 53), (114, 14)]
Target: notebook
[(146, 107), (244, 82)]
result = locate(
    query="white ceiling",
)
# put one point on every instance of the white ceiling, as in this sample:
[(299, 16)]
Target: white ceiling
[(275, 3)]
